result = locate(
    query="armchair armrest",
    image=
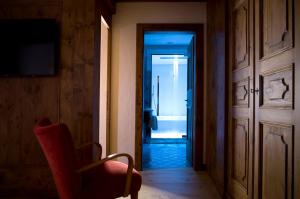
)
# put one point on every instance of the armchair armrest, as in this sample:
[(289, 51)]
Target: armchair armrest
[(110, 157), (90, 144)]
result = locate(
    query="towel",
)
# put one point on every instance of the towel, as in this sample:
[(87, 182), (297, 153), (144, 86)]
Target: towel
[(154, 125)]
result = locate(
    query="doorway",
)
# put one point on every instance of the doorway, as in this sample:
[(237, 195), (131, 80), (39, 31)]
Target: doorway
[(169, 98), (168, 94)]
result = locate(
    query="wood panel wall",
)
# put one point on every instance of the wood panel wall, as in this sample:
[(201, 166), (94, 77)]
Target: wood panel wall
[(76, 74), (66, 97), (215, 88), (297, 102)]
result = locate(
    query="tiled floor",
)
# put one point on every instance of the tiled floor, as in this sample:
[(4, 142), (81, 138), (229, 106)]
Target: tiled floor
[(181, 183), (158, 156)]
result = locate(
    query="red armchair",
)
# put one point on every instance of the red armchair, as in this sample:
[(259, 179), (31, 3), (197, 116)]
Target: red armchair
[(103, 179)]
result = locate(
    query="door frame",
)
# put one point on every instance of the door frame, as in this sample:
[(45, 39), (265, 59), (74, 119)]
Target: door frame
[(198, 119), (106, 10)]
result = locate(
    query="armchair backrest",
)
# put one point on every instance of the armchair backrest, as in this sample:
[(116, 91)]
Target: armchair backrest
[(57, 145), (43, 122)]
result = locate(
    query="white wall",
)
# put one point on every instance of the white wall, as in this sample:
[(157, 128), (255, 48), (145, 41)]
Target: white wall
[(124, 59), (173, 90)]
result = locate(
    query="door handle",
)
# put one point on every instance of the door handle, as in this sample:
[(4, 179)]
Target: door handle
[(255, 91)]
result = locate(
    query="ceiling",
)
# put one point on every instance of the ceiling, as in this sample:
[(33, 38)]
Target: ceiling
[(112, 3), (159, 1), (167, 38), (168, 59)]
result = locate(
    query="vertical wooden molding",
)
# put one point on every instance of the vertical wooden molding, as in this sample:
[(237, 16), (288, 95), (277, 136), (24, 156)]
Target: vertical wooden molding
[(296, 176), (96, 75), (139, 97)]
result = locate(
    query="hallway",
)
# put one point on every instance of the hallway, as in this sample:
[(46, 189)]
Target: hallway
[(182, 183)]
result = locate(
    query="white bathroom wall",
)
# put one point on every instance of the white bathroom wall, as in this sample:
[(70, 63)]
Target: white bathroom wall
[(173, 89)]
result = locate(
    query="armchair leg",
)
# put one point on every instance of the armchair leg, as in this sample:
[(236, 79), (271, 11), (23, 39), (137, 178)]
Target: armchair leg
[(134, 195)]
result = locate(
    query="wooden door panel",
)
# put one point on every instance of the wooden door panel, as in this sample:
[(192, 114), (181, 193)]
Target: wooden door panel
[(240, 140), (241, 92), (274, 104), (277, 31), (276, 147), (240, 133), (240, 35), (279, 61), (277, 88), (264, 55)]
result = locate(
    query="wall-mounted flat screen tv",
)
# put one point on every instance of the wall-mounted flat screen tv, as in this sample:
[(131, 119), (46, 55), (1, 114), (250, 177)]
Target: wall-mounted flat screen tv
[(28, 47)]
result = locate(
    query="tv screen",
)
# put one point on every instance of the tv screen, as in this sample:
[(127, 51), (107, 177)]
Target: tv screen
[(28, 47)]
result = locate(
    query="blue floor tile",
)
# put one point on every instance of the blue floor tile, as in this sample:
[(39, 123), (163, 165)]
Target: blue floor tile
[(162, 156)]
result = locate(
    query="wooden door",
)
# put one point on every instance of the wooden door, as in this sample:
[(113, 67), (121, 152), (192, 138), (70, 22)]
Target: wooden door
[(274, 99), (240, 134), (190, 102)]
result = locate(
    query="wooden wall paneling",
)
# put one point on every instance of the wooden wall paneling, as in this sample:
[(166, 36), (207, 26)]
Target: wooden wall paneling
[(240, 134), (33, 3), (23, 168), (77, 57), (38, 9), (36, 97), (297, 102), (216, 92), (66, 97), (96, 75), (274, 103), (10, 123)]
